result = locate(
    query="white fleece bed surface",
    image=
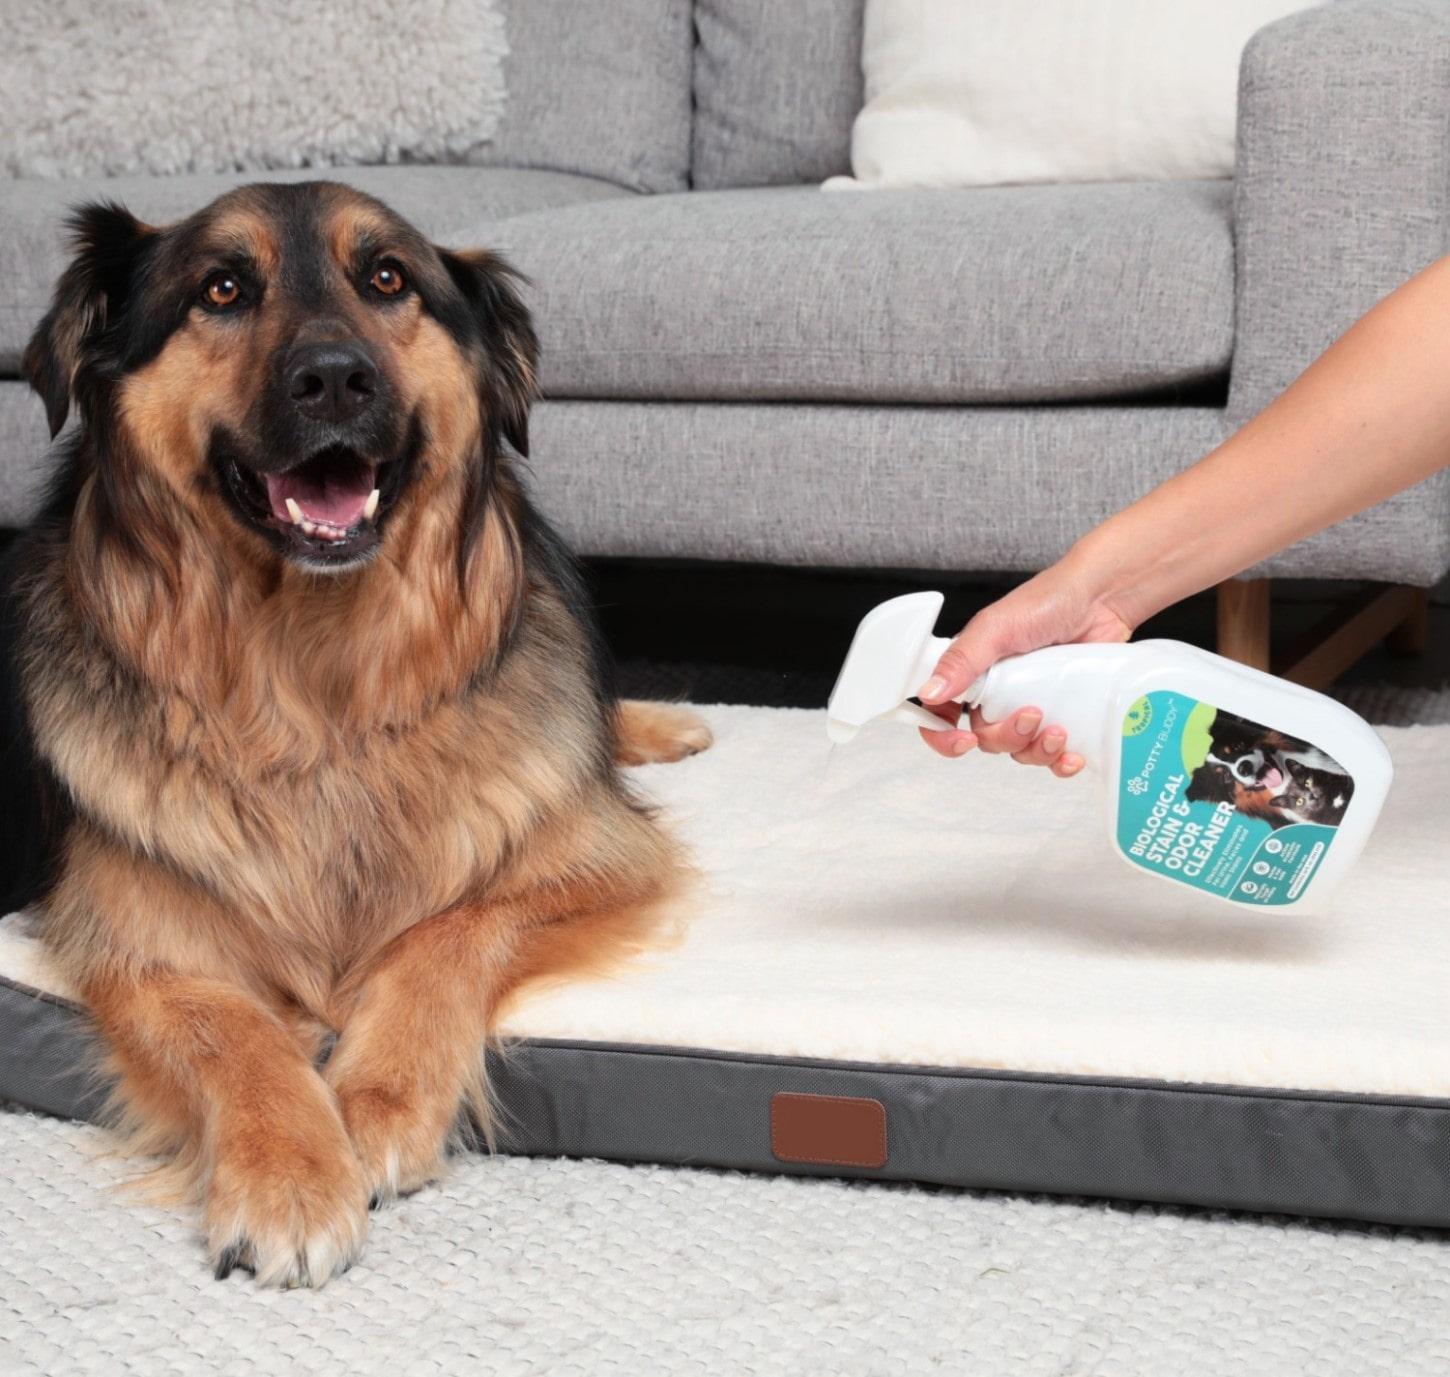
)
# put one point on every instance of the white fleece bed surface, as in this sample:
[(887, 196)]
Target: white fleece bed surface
[(875, 903)]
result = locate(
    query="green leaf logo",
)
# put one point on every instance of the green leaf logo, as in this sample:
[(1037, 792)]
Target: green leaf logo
[(1138, 717)]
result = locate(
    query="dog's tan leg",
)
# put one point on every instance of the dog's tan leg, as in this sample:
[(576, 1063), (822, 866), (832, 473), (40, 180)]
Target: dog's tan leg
[(657, 733), (410, 1054), (411, 1051), (221, 1077)]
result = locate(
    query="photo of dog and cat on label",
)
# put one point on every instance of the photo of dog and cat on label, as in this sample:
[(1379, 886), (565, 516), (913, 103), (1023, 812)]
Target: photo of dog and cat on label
[(1270, 775)]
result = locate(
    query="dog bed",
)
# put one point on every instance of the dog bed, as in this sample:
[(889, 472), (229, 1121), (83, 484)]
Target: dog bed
[(907, 968)]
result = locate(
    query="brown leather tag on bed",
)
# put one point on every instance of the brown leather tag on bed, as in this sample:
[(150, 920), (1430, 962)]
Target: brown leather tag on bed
[(828, 1130)]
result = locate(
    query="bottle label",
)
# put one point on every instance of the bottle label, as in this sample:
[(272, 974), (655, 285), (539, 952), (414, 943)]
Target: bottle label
[(1221, 803)]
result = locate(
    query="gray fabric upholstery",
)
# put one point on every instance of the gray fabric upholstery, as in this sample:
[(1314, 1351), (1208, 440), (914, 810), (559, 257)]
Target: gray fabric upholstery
[(777, 87), (983, 488), (601, 88), (1343, 183), (988, 295), (455, 205), (24, 448), (986, 488)]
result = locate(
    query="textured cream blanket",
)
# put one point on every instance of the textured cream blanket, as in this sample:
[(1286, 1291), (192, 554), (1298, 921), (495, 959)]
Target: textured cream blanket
[(884, 905)]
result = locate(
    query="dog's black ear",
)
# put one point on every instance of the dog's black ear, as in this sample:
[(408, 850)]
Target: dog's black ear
[(488, 285), (92, 291), (1210, 784)]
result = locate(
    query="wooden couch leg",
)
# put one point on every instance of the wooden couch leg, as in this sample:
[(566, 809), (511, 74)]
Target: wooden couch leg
[(1412, 635), (1392, 612), (1243, 621), (1381, 612)]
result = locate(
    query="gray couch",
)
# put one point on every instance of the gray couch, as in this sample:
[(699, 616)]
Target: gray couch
[(739, 366)]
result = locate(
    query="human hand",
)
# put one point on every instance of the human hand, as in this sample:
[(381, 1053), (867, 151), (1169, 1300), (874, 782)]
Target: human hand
[(1057, 607)]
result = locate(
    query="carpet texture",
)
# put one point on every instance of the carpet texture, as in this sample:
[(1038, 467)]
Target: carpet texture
[(578, 1269)]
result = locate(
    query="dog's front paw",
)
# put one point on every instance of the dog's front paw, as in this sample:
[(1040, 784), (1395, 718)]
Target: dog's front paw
[(288, 1209), (658, 733), (399, 1137)]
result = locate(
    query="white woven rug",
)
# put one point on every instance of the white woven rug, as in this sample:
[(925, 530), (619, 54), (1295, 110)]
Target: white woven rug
[(514, 1266), (576, 1269)]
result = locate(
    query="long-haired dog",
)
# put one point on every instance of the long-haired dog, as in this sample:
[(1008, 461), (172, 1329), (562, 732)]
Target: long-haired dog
[(325, 714)]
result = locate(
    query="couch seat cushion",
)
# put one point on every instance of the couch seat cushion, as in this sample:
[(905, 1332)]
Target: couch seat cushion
[(455, 205), (986, 295)]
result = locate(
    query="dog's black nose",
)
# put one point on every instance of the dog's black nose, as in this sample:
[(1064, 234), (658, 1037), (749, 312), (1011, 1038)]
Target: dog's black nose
[(331, 382)]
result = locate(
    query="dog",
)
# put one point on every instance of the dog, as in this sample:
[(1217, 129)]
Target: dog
[(1270, 775), (324, 713)]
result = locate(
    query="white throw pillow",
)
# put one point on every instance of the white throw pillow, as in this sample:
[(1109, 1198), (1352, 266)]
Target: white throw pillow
[(984, 92)]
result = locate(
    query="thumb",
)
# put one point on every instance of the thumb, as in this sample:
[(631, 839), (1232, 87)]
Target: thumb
[(973, 651)]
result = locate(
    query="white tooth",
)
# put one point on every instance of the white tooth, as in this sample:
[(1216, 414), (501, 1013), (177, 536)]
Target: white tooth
[(307, 528), (294, 511), (370, 507)]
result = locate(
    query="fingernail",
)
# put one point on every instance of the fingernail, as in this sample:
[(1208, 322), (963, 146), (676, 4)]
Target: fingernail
[(1053, 742), (962, 745), (932, 688), (1070, 764), (1028, 722)]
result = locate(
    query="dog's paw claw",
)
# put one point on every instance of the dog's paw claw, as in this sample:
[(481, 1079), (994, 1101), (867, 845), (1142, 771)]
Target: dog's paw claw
[(232, 1257), (297, 1219)]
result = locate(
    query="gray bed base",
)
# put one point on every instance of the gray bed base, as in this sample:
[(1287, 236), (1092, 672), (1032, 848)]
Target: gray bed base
[(1384, 1159)]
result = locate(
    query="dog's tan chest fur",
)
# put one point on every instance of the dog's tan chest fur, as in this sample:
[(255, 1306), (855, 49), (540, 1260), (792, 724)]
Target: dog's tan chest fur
[(327, 863)]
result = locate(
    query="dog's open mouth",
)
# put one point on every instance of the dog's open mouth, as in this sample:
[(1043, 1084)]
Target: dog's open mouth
[(328, 498), (325, 512)]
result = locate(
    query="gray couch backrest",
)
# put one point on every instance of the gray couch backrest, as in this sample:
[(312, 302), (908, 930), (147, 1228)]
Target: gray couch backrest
[(777, 86), (600, 88), (605, 88)]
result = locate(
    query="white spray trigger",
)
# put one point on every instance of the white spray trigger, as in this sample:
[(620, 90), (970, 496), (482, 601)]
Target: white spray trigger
[(919, 717), (892, 654)]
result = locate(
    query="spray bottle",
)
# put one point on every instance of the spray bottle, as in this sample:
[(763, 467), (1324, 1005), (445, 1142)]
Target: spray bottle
[(1216, 776)]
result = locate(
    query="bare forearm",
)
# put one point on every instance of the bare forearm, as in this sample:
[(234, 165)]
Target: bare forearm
[(1371, 416)]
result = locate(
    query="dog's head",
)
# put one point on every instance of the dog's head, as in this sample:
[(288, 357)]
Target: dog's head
[(294, 359)]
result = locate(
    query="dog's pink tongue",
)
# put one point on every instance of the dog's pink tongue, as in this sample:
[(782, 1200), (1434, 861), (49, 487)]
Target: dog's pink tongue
[(338, 498), (1272, 778)]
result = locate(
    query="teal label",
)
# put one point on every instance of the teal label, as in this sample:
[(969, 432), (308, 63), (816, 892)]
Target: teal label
[(1225, 804)]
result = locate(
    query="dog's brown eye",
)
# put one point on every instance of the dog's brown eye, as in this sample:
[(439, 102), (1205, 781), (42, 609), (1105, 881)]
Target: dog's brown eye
[(222, 291), (387, 279)]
